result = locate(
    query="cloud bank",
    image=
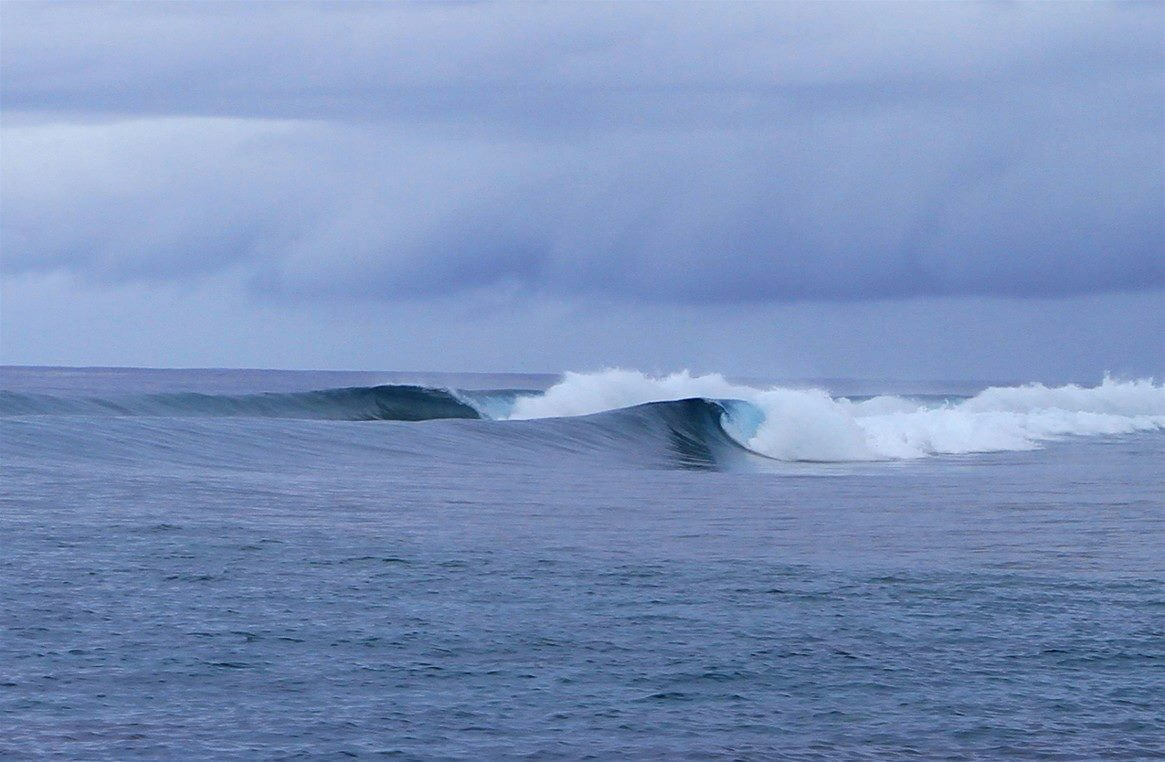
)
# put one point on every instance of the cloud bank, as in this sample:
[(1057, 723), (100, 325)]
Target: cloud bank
[(693, 153)]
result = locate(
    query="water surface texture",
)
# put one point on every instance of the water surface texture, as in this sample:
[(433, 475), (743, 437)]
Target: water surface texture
[(261, 564)]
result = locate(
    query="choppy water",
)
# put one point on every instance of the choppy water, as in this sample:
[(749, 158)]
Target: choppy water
[(743, 573)]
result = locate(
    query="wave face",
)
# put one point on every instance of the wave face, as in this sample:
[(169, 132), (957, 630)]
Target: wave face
[(810, 425), (359, 403)]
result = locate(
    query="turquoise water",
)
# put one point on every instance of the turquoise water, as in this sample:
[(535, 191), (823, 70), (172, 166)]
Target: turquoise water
[(193, 582)]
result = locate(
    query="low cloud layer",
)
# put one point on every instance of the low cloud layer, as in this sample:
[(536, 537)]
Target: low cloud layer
[(695, 153)]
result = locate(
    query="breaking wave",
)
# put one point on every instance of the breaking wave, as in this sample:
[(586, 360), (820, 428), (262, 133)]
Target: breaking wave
[(703, 419), (810, 425)]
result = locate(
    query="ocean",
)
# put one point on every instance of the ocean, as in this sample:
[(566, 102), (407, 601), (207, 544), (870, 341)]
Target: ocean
[(229, 564)]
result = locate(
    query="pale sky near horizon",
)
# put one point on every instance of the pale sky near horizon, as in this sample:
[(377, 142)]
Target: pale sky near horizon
[(897, 190)]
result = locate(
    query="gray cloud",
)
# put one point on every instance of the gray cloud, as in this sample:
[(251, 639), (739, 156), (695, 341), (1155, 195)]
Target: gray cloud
[(679, 62), (690, 152)]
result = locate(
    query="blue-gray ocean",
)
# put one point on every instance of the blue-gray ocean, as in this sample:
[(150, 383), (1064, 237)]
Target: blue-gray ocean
[(269, 565)]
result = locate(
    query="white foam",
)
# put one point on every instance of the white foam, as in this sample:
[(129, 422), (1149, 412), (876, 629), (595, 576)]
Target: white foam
[(808, 424), (586, 393)]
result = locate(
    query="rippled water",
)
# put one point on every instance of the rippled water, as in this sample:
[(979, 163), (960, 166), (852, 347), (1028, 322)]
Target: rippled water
[(266, 588)]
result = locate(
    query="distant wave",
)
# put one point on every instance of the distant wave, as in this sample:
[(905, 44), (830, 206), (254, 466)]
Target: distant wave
[(704, 418)]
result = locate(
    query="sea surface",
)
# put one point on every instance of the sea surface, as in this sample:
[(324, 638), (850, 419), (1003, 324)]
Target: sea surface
[(225, 564)]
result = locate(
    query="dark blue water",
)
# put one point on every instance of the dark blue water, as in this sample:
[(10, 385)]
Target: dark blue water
[(630, 584)]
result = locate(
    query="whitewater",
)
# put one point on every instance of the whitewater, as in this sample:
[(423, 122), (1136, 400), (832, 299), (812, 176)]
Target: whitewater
[(809, 424), (255, 564)]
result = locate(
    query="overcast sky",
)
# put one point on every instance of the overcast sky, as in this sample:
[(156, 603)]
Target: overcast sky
[(923, 190)]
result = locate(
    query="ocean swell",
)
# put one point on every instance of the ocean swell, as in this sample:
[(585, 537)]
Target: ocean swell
[(358, 403)]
